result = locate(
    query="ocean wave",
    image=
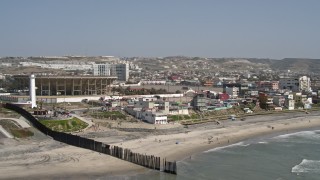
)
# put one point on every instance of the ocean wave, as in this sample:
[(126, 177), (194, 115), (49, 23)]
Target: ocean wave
[(307, 166), (262, 142), (303, 134), (229, 146)]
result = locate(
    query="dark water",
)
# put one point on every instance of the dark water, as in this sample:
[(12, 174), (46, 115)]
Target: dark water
[(290, 156)]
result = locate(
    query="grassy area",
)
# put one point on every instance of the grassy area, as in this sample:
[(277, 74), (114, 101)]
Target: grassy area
[(13, 129), (108, 114), (21, 133), (183, 117), (68, 125), (212, 118)]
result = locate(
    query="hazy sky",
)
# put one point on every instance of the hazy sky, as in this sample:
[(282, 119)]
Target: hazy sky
[(206, 28)]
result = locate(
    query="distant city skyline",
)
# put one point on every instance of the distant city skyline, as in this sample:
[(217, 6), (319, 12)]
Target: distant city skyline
[(274, 29)]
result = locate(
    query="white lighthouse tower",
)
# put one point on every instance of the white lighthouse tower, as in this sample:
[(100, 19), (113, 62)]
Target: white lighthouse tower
[(32, 90)]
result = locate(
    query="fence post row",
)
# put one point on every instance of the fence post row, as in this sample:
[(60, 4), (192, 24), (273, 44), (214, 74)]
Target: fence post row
[(148, 161)]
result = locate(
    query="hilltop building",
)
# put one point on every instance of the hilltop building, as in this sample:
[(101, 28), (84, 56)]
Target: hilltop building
[(121, 71)]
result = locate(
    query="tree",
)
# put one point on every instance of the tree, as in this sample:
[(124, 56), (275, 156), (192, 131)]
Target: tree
[(113, 90), (153, 91), (299, 104), (127, 90)]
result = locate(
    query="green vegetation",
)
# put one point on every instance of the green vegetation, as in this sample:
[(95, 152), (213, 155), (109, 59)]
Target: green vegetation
[(175, 118), (68, 125), (195, 116), (108, 114), (12, 128), (21, 133), (183, 117)]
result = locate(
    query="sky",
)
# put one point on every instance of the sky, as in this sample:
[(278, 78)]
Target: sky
[(273, 29)]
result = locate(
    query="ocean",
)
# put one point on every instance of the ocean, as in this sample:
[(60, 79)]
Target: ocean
[(281, 157)]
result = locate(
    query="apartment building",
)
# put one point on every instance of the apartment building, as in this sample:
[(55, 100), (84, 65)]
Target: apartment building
[(295, 84), (233, 92), (121, 71), (268, 85)]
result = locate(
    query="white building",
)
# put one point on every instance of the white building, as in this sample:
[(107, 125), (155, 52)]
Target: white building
[(289, 103), (153, 117), (233, 92), (295, 84), (149, 110), (304, 84), (119, 70)]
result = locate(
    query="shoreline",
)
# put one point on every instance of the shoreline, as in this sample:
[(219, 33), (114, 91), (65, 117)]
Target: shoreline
[(177, 147), (71, 162)]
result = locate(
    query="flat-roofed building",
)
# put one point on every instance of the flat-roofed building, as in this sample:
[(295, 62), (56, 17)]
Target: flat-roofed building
[(295, 84), (121, 71), (67, 85)]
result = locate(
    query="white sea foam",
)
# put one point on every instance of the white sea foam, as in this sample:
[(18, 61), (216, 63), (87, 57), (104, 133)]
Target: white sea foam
[(307, 166), (262, 142), (303, 134), (229, 146)]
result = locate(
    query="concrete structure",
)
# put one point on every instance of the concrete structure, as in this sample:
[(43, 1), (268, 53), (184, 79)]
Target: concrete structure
[(155, 82), (153, 117), (289, 104), (241, 88), (296, 84), (32, 91), (233, 92), (304, 84), (279, 100), (268, 85), (68, 85), (149, 110), (121, 71), (200, 102)]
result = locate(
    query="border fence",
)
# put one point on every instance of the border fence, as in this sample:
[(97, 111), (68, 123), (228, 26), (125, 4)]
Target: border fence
[(148, 161)]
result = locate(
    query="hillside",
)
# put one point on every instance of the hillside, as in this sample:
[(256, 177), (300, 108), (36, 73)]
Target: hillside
[(297, 65)]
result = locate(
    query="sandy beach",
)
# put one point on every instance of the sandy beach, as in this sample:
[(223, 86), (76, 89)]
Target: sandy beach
[(207, 136), (40, 157)]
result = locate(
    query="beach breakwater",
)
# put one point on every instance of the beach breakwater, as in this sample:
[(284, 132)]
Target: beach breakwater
[(148, 161)]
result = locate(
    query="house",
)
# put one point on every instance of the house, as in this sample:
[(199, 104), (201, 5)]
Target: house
[(200, 102), (149, 110), (278, 100), (268, 85), (223, 96), (233, 92), (289, 104), (153, 117)]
